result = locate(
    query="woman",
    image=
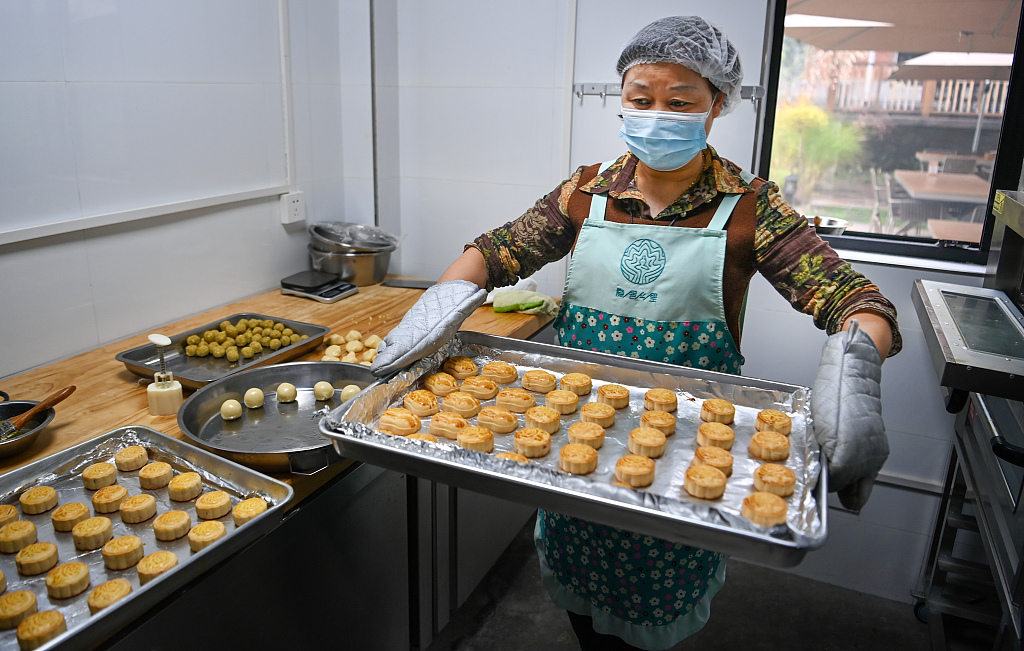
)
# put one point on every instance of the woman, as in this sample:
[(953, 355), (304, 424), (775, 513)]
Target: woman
[(664, 241)]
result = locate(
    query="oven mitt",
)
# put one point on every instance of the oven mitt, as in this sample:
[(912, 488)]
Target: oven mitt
[(847, 408), (517, 300), (428, 325)]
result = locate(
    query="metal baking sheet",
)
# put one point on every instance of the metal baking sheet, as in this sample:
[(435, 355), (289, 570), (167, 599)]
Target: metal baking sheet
[(63, 471), (277, 437), (663, 509), (197, 372)]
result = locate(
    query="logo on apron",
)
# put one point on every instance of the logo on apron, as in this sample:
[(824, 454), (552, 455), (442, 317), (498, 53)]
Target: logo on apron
[(642, 262)]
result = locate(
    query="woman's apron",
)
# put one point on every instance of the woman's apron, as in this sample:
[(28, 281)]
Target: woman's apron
[(651, 292)]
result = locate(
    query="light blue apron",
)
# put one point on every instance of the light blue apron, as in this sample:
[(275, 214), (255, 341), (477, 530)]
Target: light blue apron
[(650, 292)]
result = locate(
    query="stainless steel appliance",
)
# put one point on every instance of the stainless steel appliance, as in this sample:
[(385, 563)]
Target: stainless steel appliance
[(976, 340)]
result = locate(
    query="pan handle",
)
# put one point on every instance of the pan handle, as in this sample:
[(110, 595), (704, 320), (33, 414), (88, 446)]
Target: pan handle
[(5, 396), (312, 462)]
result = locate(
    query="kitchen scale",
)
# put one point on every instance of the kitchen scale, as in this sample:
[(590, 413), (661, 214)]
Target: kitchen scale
[(319, 286)]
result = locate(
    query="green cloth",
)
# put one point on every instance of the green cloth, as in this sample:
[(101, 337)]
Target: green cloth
[(518, 300)]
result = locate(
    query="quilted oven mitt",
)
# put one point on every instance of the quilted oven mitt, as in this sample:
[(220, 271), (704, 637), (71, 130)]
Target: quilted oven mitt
[(517, 300), (428, 325), (847, 407)]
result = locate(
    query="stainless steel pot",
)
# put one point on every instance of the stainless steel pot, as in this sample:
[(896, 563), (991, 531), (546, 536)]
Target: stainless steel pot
[(358, 268), (21, 442)]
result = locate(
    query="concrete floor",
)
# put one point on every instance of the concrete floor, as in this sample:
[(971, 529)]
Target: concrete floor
[(511, 611)]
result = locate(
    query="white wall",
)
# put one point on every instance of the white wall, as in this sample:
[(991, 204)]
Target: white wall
[(78, 290), (484, 92), (881, 550)]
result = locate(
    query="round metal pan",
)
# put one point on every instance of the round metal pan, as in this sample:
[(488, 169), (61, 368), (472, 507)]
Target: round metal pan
[(29, 433), (277, 437)]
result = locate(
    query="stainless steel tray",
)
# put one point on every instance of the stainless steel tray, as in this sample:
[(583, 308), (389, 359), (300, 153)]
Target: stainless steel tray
[(197, 372), (278, 437), (663, 509), (63, 471)]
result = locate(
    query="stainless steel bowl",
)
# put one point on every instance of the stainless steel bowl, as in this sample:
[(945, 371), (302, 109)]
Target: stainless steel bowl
[(371, 240), (828, 225), (277, 437), (21, 442), (357, 268)]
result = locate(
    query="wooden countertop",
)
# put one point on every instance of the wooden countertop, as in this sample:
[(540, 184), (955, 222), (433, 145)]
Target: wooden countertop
[(109, 396)]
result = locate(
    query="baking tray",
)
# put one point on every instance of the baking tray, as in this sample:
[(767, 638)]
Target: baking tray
[(663, 509), (278, 437), (197, 372), (63, 471)]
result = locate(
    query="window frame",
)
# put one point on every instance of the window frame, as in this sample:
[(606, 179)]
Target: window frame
[(1006, 171)]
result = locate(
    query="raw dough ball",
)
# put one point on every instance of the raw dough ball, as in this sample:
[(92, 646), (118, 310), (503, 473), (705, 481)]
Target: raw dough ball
[(333, 351), (354, 346), (350, 358), (353, 335), (286, 392), (336, 340), (349, 391), (230, 410), (372, 341), (323, 390), (253, 398)]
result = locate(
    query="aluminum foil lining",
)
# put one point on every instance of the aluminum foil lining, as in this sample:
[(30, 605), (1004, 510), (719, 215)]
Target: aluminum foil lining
[(666, 494), (66, 479)]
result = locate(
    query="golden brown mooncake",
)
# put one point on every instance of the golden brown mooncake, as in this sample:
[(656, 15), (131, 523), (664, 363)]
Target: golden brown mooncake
[(400, 421), (577, 459), (635, 470), (615, 395), (460, 367), (500, 372), (660, 399), (481, 388), (515, 400), (598, 413), (716, 434), (532, 442), (461, 403), (545, 418), (769, 446), (775, 478), (716, 410), (704, 482), (441, 384), (578, 383), (497, 419), (587, 433), (773, 420), (765, 509), (709, 455), (660, 420), (480, 439), (447, 424), (564, 402), (539, 381), (647, 442), (421, 402)]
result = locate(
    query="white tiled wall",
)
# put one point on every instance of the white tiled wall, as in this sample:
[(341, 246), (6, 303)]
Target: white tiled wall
[(882, 550), (118, 280), (483, 114)]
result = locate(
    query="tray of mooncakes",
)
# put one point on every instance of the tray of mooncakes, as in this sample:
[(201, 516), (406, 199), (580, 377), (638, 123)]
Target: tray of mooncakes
[(215, 350), (96, 535), (698, 457)]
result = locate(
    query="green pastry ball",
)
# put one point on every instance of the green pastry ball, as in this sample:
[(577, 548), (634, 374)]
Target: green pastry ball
[(294, 338), (278, 326), (193, 340), (190, 350), (230, 410), (232, 354), (231, 331), (323, 390), (229, 342), (220, 337), (275, 344), (288, 331), (256, 346), (210, 335), (286, 392), (268, 323), (242, 339), (247, 352), (202, 350), (223, 325), (218, 350), (242, 325)]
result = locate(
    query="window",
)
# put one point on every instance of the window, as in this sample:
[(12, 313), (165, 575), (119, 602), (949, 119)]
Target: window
[(888, 119)]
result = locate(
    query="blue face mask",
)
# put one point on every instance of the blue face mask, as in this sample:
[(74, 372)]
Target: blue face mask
[(664, 140)]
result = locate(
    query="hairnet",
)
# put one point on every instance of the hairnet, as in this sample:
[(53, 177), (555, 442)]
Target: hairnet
[(693, 42)]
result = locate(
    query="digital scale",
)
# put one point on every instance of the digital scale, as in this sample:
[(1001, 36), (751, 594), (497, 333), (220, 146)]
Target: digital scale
[(319, 286)]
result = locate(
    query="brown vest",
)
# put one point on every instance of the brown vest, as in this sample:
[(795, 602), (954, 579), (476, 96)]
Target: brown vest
[(739, 246)]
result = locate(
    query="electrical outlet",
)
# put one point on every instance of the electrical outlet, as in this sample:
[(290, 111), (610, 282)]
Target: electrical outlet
[(293, 207)]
